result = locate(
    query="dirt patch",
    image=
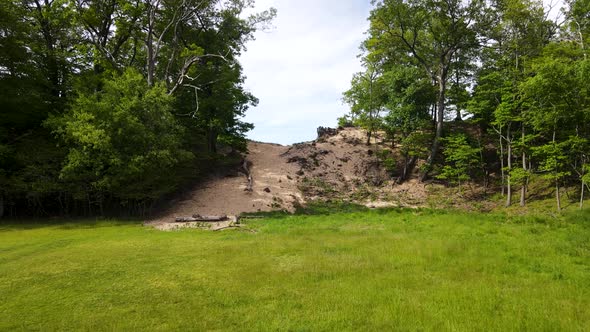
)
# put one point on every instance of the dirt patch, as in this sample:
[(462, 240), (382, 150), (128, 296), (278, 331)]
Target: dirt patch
[(338, 166), (274, 188), (341, 166)]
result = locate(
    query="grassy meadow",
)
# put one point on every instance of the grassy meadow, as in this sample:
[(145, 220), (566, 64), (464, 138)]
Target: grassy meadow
[(364, 270)]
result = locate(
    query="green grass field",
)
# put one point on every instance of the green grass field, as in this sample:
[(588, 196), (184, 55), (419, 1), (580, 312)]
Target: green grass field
[(371, 270)]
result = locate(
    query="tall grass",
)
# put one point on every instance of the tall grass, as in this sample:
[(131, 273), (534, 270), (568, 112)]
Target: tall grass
[(363, 270)]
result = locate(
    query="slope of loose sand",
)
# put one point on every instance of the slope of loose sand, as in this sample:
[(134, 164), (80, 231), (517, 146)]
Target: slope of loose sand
[(274, 188), (337, 167), (342, 167)]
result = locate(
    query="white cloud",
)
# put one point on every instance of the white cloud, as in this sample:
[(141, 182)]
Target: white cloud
[(300, 68)]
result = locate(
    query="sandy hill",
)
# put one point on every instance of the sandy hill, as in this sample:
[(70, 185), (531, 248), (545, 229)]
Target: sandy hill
[(336, 166)]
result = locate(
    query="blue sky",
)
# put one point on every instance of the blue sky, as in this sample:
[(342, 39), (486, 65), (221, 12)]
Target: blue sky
[(300, 67)]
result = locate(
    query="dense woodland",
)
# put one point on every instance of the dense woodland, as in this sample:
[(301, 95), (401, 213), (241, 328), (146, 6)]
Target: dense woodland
[(479, 88), (107, 106)]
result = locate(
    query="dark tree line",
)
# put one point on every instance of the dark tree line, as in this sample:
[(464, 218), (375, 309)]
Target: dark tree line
[(108, 105), (504, 66)]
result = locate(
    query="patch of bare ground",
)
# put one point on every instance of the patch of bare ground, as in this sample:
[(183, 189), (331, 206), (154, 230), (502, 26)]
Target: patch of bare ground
[(273, 188), (338, 166)]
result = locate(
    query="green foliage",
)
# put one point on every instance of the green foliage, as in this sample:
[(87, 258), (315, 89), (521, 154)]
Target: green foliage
[(487, 96), (530, 84), (366, 98), (122, 81), (409, 98), (559, 110), (431, 40), (460, 157), (553, 160), (345, 121), (518, 175), (121, 139), (586, 176), (416, 144), (216, 104), (388, 160)]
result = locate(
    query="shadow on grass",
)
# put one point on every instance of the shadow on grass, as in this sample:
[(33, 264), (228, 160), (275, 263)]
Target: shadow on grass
[(581, 217), (63, 223), (311, 209)]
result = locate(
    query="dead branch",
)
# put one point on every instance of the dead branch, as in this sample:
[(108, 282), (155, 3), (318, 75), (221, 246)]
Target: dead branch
[(210, 218), (197, 217), (246, 168)]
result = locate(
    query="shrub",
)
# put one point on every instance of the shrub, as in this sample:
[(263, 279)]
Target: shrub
[(461, 158), (123, 140)]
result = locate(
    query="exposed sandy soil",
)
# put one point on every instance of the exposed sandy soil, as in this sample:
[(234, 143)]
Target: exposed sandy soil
[(338, 166), (274, 188), (343, 167), (335, 167)]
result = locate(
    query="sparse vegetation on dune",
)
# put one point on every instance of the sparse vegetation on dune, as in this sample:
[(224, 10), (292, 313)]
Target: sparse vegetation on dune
[(352, 270)]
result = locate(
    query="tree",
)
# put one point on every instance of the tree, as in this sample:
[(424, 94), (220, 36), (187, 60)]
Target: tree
[(518, 35), (461, 159), (578, 23), (216, 104), (426, 34), (80, 61), (111, 31), (366, 97), (408, 101), (33, 83), (120, 140), (559, 111)]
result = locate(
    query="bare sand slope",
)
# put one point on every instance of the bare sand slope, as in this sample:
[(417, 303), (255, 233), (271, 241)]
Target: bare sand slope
[(338, 166), (274, 188), (341, 167)]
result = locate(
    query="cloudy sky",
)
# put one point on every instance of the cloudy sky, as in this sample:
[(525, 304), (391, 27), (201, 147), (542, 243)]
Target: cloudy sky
[(300, 67)]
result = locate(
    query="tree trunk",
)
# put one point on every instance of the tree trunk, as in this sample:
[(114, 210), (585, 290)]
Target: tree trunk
[(199, 217), (212, 141), (557, 196), (581, 197), (52, 63), (581, 40), (370, 129), (556, 179), (406, 165), (481, 162), (409, 164), (524, 167), (582, 192), (457, 82), (502, 164), (246, 167), (440, 114), (509, 159), (150, 65), (433, 113), (2, 205)]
